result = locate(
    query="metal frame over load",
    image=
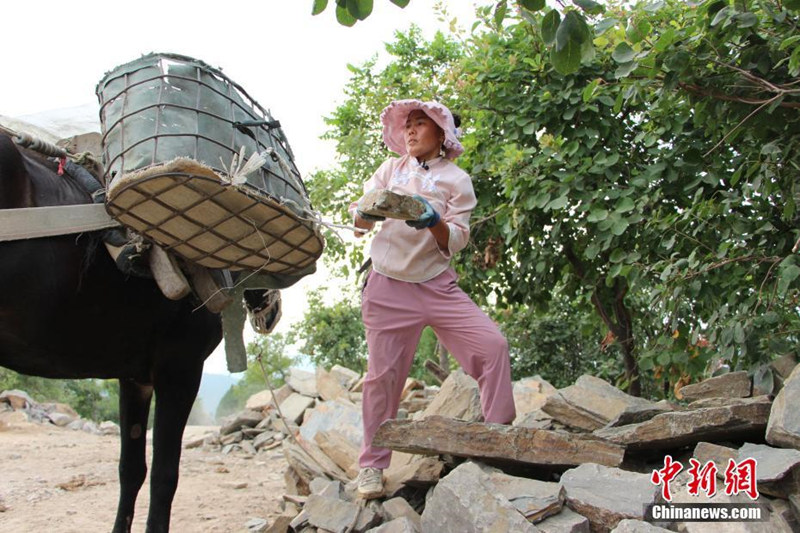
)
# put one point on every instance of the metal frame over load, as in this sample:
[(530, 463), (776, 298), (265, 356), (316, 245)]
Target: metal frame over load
[(173, 130)]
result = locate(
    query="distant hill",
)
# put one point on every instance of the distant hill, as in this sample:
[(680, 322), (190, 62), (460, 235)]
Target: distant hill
[(212, 388)]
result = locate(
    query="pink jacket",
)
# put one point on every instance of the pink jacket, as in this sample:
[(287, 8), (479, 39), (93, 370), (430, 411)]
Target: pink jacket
[(401, 252)]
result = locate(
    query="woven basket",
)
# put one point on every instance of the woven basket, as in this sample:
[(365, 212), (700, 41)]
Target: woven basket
[(171, 126)]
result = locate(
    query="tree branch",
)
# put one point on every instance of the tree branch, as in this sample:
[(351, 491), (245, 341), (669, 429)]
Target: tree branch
[(695, 89)]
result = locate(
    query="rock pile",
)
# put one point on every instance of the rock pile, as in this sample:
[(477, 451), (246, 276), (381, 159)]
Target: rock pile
[(17, 406), (587, 457)]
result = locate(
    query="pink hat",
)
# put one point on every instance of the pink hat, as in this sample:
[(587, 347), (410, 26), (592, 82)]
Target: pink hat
[(394, 118)]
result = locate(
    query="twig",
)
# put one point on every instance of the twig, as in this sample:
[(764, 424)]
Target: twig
[(745, 119)]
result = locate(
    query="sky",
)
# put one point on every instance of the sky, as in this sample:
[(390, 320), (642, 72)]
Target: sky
[(291, 62)]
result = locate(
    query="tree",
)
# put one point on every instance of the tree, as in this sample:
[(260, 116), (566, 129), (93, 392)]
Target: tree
[(348, 12), (623, 179), (269, 351)]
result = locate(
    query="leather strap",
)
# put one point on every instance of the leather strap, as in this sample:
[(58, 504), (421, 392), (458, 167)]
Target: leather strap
[(34, 222)]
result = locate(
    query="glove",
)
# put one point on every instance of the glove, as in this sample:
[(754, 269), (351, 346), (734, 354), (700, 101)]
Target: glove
[(369, 218), (428, 219)]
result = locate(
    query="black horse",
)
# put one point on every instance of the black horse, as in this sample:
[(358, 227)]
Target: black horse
[(66, 311)]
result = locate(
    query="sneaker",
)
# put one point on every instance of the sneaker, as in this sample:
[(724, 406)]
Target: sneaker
[(370, 483)]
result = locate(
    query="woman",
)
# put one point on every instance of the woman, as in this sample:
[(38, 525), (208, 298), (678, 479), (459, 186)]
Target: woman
[(412, 284)]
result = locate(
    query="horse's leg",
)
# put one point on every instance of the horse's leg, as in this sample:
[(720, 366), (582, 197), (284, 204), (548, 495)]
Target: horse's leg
[(134, 407), (176, 389)]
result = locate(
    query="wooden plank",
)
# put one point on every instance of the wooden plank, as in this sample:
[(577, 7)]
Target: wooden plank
[(437, 435), (35, 222)]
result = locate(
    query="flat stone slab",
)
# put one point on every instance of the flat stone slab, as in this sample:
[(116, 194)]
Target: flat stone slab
[(730, 385), (607, 496), (590, 403), (438, 435), (672, 430), (385, 203), (784, 420)]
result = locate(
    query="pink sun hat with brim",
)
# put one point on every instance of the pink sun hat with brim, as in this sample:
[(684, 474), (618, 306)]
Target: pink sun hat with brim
[(394, 116)]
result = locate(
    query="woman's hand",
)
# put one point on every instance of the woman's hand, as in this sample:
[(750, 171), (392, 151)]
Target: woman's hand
[(428, 219)]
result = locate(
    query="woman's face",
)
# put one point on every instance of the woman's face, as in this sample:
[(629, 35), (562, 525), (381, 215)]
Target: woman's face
[(423, 137)]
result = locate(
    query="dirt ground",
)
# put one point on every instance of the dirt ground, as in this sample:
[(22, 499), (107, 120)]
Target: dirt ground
[(59, 480)]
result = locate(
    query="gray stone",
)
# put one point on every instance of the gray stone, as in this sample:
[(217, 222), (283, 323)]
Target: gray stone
[(108, 427), (256, 525), (637, 526), (437, 435), (60, 419), (293, 407), (535, 500), (783, 429), (264, 439), (385, 203), (777, 471), (346, 377), (261, 401), (719, 455), (342, 416), (326, 487), (329, 387), (340, 449), (231, 438), (397, 508), (465, 501), (567, 521), (17, 399), (458, 398), (418, 472), (243, 419), (590, 403), (608, 495), (247, 447), (302, 382), (398, 525), (530, 394), (686, 428), (730, 385), (337, 515), (680, 494), (635, 414), (537, 419), (784, 365)]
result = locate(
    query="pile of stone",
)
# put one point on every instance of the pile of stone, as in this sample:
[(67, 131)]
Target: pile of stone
[(576, 459), (17, 406)]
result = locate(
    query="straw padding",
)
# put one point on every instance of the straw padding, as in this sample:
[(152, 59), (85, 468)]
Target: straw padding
[(188, 209)]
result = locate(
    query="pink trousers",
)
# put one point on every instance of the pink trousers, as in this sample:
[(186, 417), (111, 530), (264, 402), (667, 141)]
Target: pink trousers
[(395, 313)]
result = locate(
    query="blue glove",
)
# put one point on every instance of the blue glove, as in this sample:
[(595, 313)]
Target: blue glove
[(369, 218), (428, 219)]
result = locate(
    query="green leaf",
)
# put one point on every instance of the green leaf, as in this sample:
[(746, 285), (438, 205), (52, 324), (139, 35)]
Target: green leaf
[(319, 6), (617, 255), (344, 17), (625, 205), (588, 91), (550, 25), (721, 15), (637, 30), (570, 36), (623, 53), (401, 3), (604, 25), (619, 227), (738, 333), (788, 273), (532, 5), (794, 5), (596, 215), (625, 69), (590, 6), (746, 20), (558, 203), (500, 12), (360, 9)]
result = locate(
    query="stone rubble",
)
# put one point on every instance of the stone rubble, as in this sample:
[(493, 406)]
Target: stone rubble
[(579, 459), (18, 407)]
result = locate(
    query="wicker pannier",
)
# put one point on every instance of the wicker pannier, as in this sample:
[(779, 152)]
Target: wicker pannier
[(173, 128)]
